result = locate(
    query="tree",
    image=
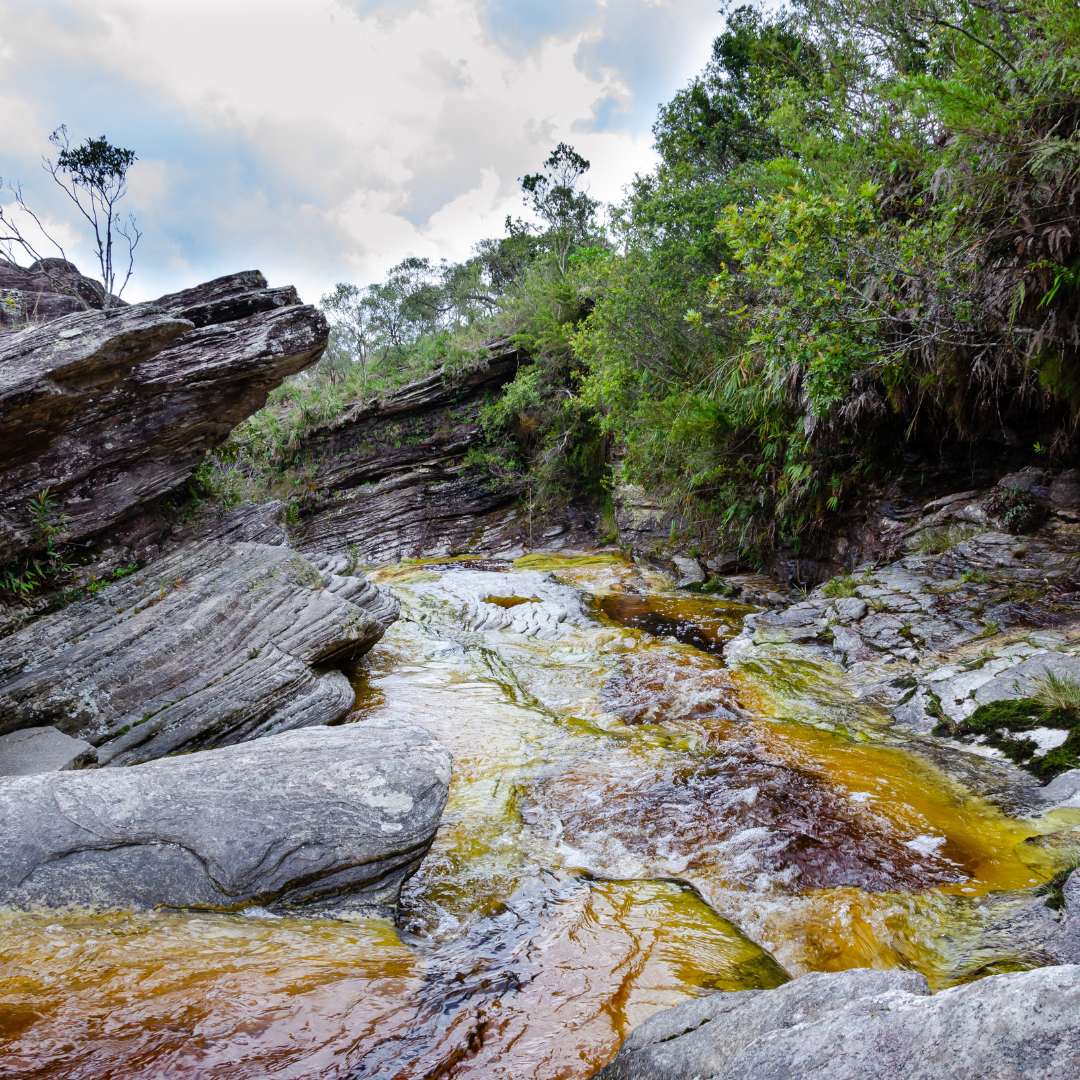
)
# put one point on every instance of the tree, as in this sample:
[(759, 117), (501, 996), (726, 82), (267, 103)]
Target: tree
[(553, 195), (352, 331), (93, 175)]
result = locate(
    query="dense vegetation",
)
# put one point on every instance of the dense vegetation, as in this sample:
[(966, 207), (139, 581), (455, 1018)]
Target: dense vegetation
[(862, 241)]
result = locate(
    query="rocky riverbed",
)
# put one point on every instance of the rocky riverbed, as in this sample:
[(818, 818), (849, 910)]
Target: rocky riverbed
[(632, 822), (272, 802)]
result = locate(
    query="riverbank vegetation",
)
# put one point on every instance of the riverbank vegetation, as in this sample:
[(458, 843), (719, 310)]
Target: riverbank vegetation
[(860, 250)]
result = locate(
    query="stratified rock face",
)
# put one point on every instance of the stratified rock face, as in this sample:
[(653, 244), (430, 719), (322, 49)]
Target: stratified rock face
[(292, 820), (110, 410), (865, 1025), (392, 478), (217, 643)]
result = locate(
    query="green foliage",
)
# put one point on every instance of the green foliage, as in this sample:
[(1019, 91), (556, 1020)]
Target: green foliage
[(839, 587), (862, 238), (1059, 695), (935, 541), (555, 198), (1018, 510), (49, 564), (722, 119), (95, 164)]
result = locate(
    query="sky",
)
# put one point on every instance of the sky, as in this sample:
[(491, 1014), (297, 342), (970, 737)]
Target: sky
[(325, 140)]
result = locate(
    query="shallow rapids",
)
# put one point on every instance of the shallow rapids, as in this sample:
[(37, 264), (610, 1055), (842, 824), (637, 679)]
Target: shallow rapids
[(630, 823)]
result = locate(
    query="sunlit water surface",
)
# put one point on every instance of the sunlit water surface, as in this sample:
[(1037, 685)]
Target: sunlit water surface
[(629, 824)]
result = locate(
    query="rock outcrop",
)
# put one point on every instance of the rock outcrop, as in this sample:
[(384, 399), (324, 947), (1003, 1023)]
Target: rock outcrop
[(299, 819), (403, 461), (1038, 928), (46, 290), (217, 643), (111, 410), (865, 1025)]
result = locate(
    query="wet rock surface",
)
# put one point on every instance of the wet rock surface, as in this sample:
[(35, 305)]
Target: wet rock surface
[(296, 819), (975, 615), (111, 410), (217, 643), (527, 603), (863, 1024), (1046, 925)]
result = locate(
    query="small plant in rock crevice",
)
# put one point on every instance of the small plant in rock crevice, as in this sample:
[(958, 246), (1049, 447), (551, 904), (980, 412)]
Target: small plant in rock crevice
[(25, 577), (937, 541), (1018, 510), (840, 587)]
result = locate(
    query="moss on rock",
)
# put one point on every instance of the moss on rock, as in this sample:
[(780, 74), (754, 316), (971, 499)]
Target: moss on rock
[(1002, 724)]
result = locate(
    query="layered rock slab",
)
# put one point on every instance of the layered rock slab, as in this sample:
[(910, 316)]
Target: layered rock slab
[(404, 460), (865, 1025), (298, 819), (215, 644), (111, 410)]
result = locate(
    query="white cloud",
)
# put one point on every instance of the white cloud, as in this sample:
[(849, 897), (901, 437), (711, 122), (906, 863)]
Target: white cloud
[(328, 138)]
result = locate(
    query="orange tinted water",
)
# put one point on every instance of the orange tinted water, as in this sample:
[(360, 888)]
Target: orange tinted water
[(629, 824)]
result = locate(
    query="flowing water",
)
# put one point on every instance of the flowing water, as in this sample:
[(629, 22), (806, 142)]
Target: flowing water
[(630, 824)]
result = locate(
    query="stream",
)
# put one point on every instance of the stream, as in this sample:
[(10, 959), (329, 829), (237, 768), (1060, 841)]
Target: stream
[(630, 824)]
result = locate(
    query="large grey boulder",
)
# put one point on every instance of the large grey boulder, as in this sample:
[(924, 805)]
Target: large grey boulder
[(305, 817), (111, 410), (866, 1025), (214, 644)]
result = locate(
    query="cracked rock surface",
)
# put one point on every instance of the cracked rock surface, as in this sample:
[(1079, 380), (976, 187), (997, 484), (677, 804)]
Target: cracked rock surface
[(530, 603), (337, 815), (865, 1025), (217, 643)]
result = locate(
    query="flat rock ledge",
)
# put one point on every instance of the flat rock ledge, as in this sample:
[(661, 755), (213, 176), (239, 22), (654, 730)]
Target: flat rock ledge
[(317, 817), (866, 1025), (215, 644)]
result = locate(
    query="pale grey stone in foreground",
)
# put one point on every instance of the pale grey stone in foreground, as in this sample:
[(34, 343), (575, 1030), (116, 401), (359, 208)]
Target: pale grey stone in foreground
[(41, 750), (294, 819), (866, 1025), (1064, 790)]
